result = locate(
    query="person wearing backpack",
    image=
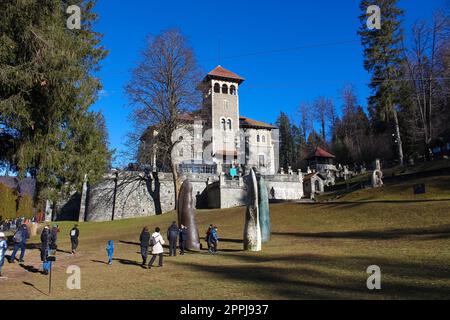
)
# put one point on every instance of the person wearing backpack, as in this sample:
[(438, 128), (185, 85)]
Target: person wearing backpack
[(144, 239), (20, 241), (157, 242), (45, 242), (74, 234), (172, 236), (3, 248)]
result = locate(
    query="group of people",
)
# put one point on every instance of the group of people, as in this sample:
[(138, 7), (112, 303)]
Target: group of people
[(11, 224), (49, 237), (155, 241)]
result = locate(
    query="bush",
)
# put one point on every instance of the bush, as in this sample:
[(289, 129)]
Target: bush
[(8, 204)]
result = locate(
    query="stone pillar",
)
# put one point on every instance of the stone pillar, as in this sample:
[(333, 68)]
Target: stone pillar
[(82, 213)]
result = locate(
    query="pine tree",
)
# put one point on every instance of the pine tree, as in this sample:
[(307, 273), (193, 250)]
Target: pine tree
[(46, 89), (383, 59), (287, 147)]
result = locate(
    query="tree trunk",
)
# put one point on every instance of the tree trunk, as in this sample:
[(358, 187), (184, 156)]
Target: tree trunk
[(398, 137)]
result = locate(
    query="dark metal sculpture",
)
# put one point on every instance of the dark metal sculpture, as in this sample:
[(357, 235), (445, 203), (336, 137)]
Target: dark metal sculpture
[(186, 215)]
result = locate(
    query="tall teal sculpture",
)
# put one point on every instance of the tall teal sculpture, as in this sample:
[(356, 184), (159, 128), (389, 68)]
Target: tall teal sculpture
[(264, 210), (252, 229)]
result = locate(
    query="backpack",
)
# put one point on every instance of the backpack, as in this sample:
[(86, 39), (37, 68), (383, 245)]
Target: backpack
[(18, 237), (153, 241)]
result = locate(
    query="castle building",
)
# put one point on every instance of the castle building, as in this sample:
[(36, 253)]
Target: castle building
[(218, 139)]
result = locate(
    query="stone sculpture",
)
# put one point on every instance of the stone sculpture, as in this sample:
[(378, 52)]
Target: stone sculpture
[(264, 211), (252, 229), (377, 175), (186, 216)]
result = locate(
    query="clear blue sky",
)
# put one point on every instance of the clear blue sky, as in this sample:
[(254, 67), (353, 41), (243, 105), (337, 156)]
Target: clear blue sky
[(275, 81)]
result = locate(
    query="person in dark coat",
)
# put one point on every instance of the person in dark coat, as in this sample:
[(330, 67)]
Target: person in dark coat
[(74, 234), (183, 238), (144, 238), (172, 235), (45, 243), (20, 242), (54, 237)]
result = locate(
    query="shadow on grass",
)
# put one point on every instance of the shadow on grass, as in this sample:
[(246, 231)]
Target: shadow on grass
[(329, 277), (34, 287), (98, 261), (430, 233), (31, 269)]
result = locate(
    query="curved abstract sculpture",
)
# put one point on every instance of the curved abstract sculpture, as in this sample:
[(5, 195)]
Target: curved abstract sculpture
[(264, 211), (186, 216), (252, 229), (377, 175)]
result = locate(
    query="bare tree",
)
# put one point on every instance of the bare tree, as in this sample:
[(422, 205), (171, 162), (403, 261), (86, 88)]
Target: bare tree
[(162, 88), (306, 120), (321, 107), (424, 70)]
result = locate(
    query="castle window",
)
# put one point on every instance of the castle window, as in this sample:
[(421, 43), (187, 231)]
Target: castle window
[(262, 162), (217, 88), (257, 138), (233, 90), (180, 153), (225, 89), (225, 105), (229, 124), (264, 139), (224, 124)]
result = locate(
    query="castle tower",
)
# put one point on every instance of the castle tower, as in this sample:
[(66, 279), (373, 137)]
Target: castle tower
[(221, 104)]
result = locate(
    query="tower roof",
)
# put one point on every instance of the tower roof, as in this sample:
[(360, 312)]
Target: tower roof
[(320, 153), (220, 72)]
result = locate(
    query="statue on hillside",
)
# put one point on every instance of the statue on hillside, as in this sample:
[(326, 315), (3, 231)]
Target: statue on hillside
[(252, 229), (264, 210), (377, 175), (186, 216)]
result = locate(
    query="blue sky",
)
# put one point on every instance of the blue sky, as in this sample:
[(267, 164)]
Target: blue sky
[(275, 81)]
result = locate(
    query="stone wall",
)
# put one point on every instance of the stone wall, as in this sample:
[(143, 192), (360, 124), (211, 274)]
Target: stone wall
[(132, 194)]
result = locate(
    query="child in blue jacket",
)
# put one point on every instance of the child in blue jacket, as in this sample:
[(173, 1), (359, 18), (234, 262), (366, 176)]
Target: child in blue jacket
[(3, 248), (110, 251)]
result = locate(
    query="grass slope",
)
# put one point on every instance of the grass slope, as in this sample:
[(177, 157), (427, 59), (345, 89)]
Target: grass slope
[(317, 251)]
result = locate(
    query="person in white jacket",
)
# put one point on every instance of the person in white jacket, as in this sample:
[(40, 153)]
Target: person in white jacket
[(157, 242)]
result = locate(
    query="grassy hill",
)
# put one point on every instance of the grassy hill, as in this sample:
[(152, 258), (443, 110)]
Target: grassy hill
[(317, 251)]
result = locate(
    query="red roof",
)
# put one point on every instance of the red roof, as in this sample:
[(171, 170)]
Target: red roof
[(321, 153), (247, 122), (221, 72)]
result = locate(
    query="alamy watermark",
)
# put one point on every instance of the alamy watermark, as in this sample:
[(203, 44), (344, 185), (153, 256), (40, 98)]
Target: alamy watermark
[(374, 280), (74, 20), (374, 19), (74, 280)]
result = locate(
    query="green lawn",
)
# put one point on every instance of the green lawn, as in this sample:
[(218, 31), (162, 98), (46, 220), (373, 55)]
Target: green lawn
[(317, 251)]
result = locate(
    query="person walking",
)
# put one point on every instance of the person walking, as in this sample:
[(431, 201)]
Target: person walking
[(208, 233), (110, 251), (213, 240), (183, 238), (54, 237), (20, 242), (3, 248), (45, 243), (74, 234), (157, 242), (172, 236), (144, 238)]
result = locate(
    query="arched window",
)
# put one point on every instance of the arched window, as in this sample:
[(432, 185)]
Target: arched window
[(225, 89), (257, 138), (224, 124), (233, 90), (217, 88), (229, 124), (264, 139), (225, 105)]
